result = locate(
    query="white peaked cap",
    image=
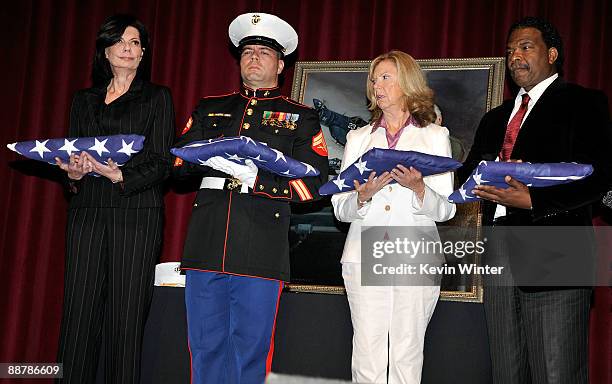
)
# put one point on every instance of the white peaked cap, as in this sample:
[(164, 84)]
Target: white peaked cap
[(263, 29)]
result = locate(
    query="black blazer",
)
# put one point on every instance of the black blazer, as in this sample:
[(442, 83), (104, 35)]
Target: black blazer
[(246, 234), (567, 124), (145, 109)]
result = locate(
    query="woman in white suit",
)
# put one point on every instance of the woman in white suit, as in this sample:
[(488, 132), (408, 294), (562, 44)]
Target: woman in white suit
[(389, 322)]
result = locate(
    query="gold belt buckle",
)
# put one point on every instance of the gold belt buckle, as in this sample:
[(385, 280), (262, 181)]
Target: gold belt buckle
[(232, 184)]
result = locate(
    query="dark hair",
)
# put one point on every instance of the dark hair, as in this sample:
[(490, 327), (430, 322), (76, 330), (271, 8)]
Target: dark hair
[(550, 35), (110, 33)]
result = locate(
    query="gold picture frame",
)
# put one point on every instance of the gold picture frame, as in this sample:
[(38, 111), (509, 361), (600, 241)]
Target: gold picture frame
[(465, 89)]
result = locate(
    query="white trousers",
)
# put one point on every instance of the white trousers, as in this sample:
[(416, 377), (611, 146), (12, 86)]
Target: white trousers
[(389, 325)]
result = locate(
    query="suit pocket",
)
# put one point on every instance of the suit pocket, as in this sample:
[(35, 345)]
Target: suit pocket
[(217, 126)]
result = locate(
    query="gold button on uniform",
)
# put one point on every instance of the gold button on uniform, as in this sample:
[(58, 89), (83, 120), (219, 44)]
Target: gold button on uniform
[(195, 204), (276, 131), (285, 191), (274, 190), (277, 215), (249, 111), (266, 93), (261, 187), (387, 207), (253, 102), (246, 125)]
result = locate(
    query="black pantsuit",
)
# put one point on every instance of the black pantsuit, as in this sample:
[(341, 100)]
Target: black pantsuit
[(114, 236), (110, 263)]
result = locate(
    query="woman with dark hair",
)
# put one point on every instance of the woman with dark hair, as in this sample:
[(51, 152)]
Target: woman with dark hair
[(115, 220), (390, 316)]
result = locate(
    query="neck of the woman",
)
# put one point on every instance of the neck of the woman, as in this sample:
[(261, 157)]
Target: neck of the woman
[(395, 120), (121, 81)]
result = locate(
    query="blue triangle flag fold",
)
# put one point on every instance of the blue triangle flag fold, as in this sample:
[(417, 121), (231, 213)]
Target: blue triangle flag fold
[(381, 160), (530, 174), (120, 148), (241, 148)]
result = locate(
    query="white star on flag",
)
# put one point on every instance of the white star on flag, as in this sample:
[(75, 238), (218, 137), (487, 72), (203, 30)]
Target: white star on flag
[(248, 140), (99, 146), (464, 194), (340, 183), (69, 146), (287, 173), (279, 155), (40, 148), (234, 157), (478, 178), (12, 147), (258, 158), (309, 168), (361, 166), (127, 148)]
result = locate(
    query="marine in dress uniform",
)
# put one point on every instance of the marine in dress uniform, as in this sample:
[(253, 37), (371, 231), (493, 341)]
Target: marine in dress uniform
[(237, 252)]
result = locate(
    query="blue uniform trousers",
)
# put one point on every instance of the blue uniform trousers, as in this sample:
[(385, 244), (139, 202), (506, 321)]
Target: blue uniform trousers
[(230, 324)]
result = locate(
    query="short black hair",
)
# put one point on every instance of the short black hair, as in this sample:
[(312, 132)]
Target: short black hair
[(110, 32), (550, 35)]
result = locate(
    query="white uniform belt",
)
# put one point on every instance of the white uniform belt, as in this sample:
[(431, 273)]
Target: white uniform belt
[(231, 184)]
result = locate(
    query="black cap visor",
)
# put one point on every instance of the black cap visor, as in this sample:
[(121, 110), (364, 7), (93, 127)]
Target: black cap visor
[(261, 40)]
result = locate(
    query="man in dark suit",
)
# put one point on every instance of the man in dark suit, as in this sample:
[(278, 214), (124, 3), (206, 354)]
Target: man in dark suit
[(539, 334), (237, 249)]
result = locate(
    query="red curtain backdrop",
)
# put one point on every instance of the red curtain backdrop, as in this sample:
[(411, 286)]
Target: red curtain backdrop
[(46, 56)]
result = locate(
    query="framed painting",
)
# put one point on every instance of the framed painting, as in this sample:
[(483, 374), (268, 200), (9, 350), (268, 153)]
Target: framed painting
[(464, 90)]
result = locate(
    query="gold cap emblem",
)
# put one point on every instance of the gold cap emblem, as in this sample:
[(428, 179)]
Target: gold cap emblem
[(255, 19)]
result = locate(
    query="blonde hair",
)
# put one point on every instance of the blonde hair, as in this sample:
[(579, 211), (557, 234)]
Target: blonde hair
[(418, 97)]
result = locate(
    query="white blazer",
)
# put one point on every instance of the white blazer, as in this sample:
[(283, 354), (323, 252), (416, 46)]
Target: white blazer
[(395, 205)]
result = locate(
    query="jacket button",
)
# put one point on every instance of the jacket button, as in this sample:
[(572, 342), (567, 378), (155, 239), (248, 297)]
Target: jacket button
[(253, 102), (277, 215), (387, 207), (249, 111), (246, 125), (276, 131), (274, 190), (285, 191), (261, 187), (266, 93), (195, 204)]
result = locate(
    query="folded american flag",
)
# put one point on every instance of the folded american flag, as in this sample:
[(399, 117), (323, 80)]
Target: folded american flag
[(241, 148), (120, 148), (381, 160), (530, 174)]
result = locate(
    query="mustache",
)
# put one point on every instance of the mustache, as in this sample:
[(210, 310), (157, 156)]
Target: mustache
[(514, 67)]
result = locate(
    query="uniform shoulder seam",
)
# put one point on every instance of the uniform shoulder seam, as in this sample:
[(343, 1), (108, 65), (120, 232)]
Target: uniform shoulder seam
[(297, 103), (218, 96)]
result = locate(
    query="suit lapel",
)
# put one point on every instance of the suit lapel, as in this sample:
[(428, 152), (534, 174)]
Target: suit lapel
[(95, 98), (533, 120)]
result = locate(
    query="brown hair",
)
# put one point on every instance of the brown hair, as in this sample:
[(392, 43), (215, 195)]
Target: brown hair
[(418, 97)]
